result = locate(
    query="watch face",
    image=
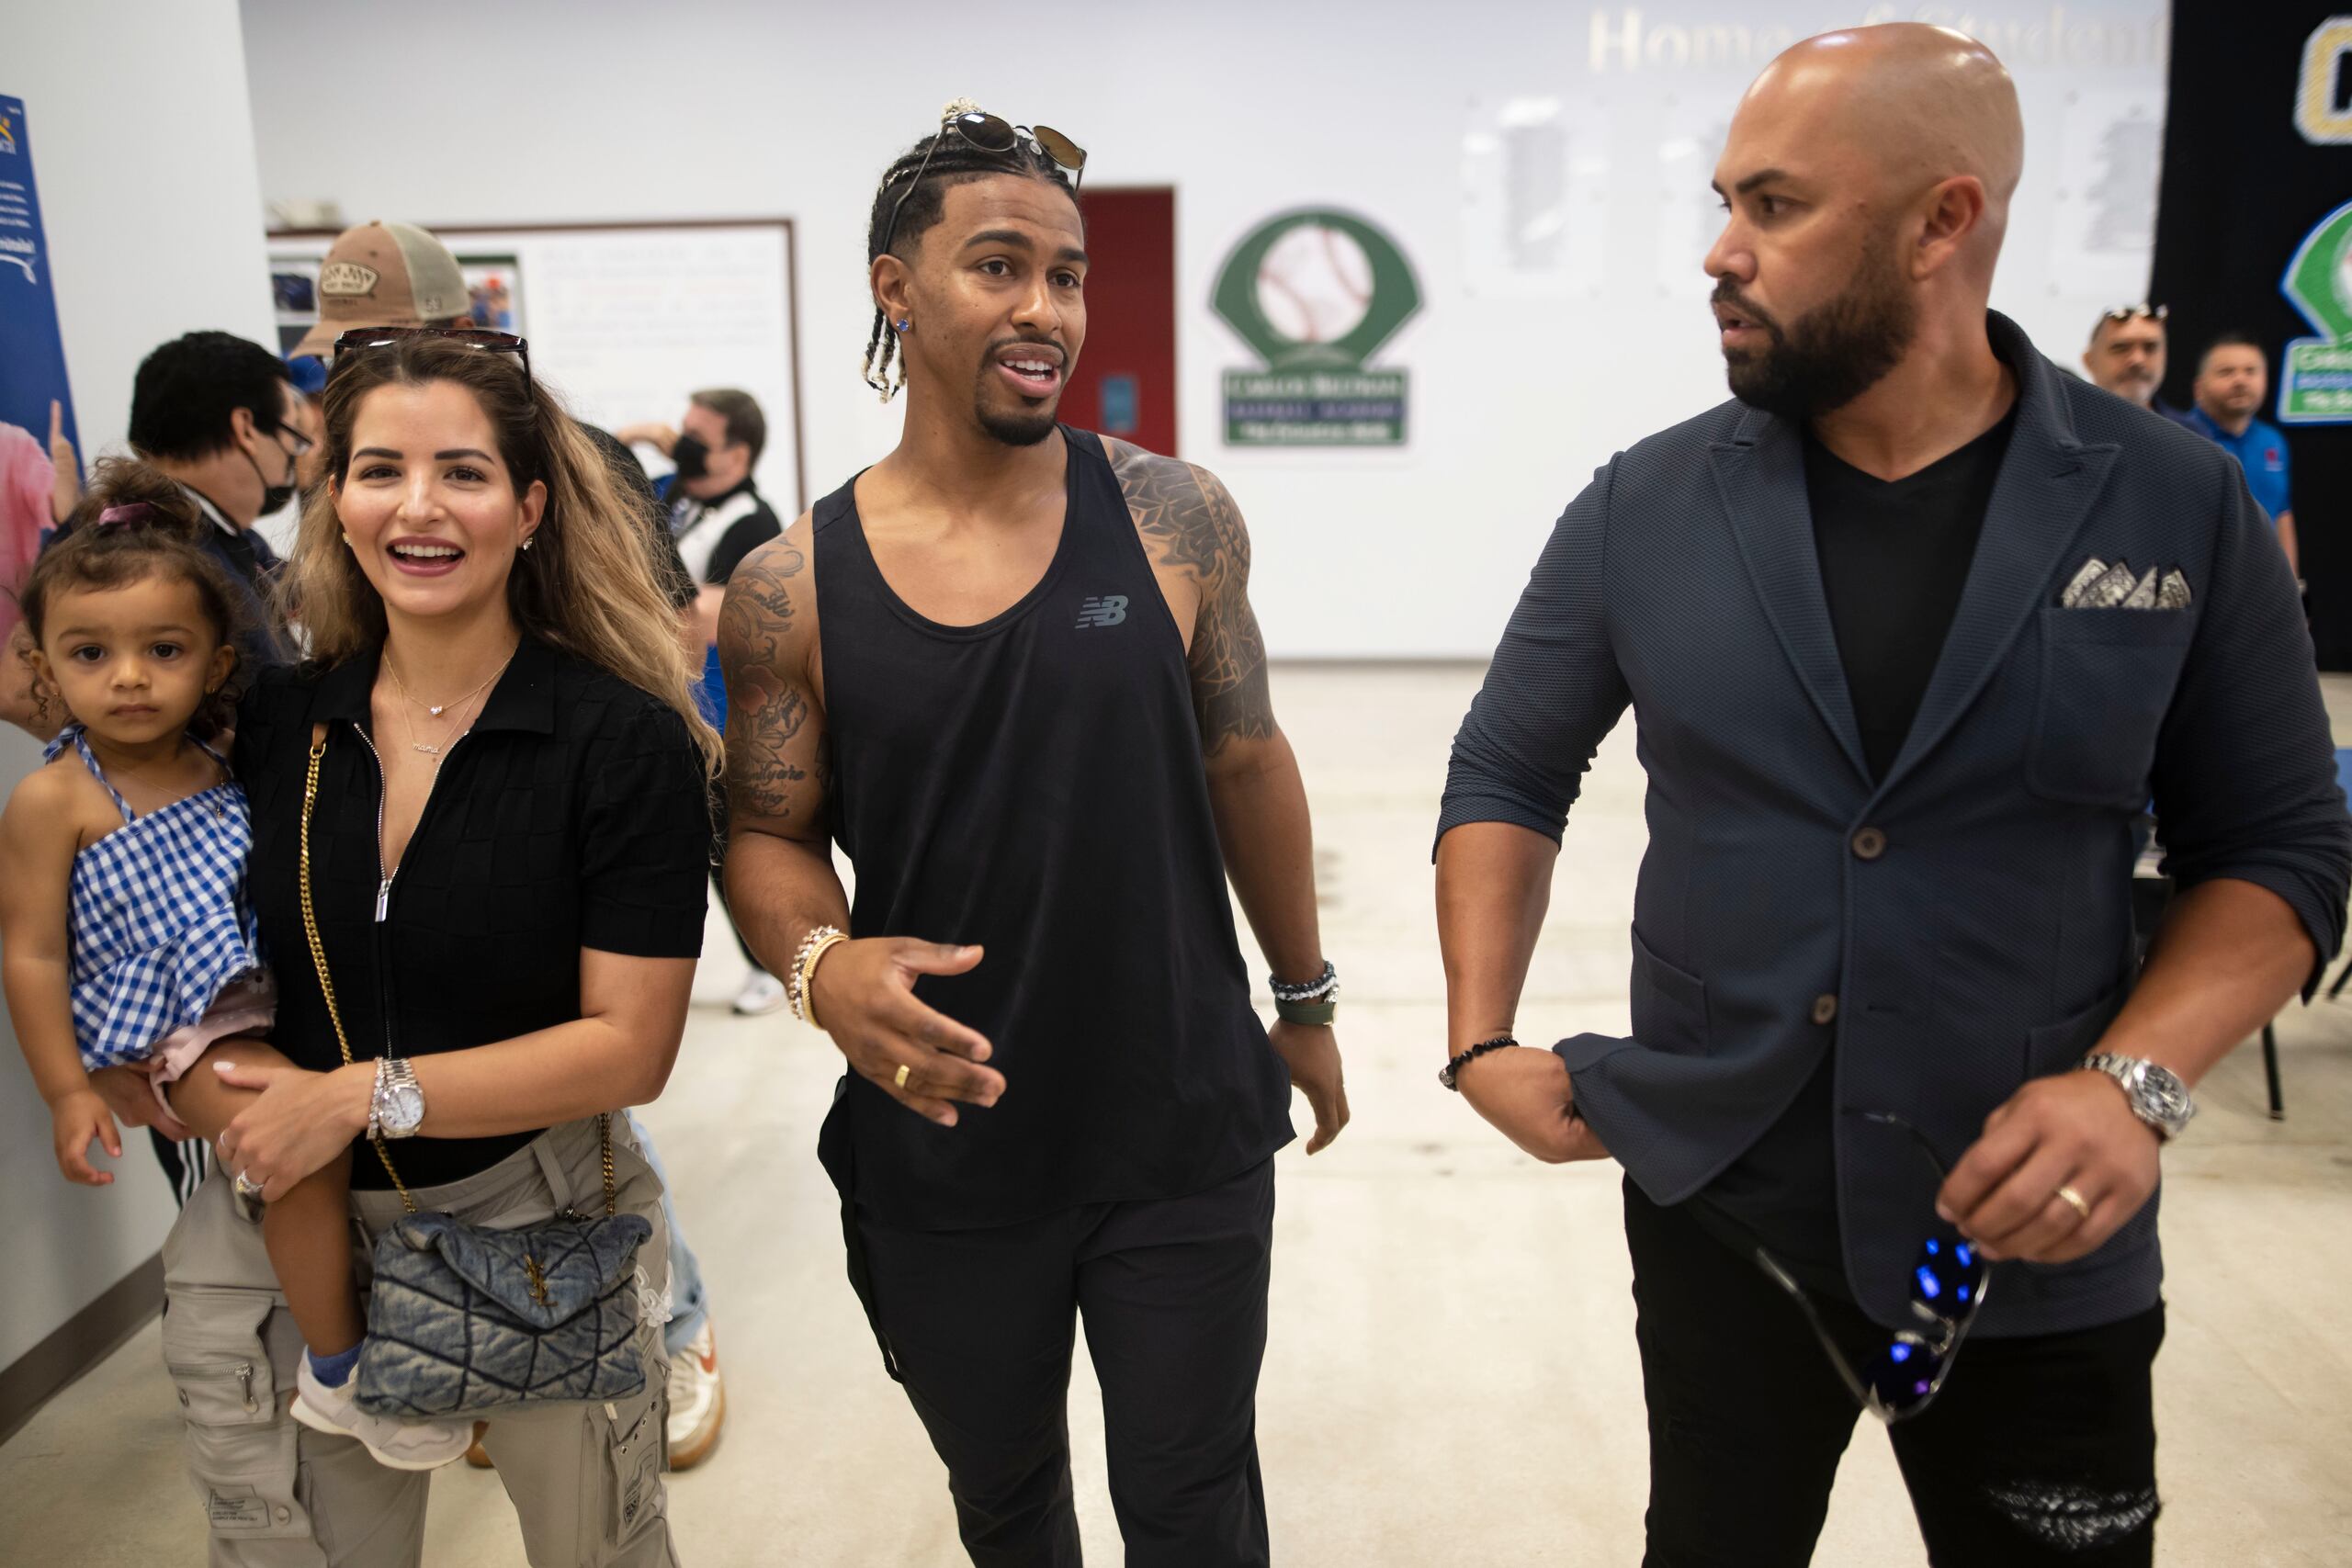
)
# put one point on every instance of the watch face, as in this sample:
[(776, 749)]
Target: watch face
[(2166, 1096), (403, 1109)]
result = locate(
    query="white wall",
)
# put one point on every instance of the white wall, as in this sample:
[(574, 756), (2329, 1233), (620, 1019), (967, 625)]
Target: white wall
[(596, 109), (143, 147)]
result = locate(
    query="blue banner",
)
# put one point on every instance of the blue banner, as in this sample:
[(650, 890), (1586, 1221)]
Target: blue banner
[(32, 354)]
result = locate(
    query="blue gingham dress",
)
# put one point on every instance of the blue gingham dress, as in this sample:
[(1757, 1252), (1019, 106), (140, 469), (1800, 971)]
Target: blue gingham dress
[(159, 922)]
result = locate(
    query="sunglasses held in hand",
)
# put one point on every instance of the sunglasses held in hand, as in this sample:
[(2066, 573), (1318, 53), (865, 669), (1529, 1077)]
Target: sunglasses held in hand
[(1947, 1288)]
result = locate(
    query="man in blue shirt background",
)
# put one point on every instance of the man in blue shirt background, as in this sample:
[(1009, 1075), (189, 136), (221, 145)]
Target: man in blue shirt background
[(2232, 381)]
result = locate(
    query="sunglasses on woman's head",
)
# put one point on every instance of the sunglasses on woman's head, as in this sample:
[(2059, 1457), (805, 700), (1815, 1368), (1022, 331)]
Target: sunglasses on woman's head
[(1946, 1288), (360, 339)]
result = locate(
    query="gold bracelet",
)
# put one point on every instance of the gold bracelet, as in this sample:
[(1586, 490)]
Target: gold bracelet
[(817, 950), (796, 978)]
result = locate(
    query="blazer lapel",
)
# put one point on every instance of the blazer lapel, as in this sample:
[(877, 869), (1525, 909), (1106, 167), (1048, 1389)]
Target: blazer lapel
[(1760, 473), (2047, 483)]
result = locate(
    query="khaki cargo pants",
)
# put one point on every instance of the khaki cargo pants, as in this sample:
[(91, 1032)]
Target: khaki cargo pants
[(586, 1479)]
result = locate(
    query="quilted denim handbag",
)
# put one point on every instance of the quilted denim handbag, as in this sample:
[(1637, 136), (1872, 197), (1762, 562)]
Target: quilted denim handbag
[(464, 1320)]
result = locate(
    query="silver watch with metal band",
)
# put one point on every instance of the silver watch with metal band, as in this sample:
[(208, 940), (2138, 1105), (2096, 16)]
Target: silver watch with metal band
[(397, 1108), (2157, 1095)]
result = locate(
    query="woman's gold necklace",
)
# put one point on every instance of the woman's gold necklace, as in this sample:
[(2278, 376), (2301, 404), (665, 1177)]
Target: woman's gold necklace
[(436, 710)]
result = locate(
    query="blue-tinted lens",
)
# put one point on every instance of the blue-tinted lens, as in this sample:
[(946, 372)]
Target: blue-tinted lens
[(1948, 1279), (1945, 1284), (1904, 1375)]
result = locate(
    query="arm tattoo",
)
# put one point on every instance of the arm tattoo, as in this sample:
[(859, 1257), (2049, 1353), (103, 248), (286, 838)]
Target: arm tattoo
[(1188, 521), (765, 710)]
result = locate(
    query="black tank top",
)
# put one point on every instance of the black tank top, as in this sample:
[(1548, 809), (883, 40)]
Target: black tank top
[(1035, 785)]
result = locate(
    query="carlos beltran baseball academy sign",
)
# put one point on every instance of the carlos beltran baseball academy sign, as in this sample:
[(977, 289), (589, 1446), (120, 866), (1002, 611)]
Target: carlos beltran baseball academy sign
[(1316, 292)]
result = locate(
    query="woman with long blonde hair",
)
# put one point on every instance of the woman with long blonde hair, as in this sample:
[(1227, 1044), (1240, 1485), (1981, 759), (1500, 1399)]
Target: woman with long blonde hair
[(481, 806)]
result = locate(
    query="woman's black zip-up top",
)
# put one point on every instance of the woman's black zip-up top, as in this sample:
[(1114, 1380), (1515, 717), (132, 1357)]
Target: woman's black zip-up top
[(573, 815)]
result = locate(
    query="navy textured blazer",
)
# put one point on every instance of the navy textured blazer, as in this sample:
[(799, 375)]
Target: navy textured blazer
[(1971, 911)]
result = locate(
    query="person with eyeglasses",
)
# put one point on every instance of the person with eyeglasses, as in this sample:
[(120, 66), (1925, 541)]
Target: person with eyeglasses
[(1013, 669), (222, 416), (1914, 628), (2126, 356)]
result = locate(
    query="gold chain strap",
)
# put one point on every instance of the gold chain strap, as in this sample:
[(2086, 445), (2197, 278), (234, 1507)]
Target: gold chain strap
[(335, 1013)]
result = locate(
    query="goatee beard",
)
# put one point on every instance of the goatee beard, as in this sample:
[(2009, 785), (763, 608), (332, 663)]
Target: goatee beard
[(1017, 430), (1834, 353)]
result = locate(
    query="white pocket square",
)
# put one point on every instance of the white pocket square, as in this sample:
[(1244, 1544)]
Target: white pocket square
[(2097, 585)]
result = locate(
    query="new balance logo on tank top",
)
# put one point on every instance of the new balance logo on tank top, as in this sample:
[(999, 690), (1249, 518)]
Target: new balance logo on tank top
[(1034, 785)]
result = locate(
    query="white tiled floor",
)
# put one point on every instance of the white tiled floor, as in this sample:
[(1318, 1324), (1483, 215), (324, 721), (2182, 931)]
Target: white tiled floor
[(1452, 1378)]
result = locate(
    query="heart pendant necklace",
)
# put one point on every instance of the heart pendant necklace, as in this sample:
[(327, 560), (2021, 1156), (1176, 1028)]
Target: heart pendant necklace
[(434, 710), (438, 709)]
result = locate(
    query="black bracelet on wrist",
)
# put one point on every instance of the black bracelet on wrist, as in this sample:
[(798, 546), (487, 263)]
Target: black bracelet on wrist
[(1324, 987), (1453, 1069)]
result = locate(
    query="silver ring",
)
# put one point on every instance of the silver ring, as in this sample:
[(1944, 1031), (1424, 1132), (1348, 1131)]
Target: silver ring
[(247, 1188)]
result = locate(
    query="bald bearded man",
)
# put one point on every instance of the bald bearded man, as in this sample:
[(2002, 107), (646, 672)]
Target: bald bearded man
[(1913, 628)]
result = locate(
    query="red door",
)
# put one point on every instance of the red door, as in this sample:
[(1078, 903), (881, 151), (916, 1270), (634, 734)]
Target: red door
[(1126, 382)]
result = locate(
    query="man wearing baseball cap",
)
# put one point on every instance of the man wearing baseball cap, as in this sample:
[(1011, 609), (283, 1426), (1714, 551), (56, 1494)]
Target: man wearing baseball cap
[(385, 274), (396, 275)]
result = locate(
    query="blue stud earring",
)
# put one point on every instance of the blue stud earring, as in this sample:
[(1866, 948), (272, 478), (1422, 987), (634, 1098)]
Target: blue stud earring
[(905, 327)]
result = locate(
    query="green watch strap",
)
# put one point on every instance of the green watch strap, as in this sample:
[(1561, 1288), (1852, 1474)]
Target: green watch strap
[(1314, 1014)]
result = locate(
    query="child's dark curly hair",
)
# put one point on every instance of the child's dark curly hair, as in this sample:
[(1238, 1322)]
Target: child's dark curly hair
[(134, 524)]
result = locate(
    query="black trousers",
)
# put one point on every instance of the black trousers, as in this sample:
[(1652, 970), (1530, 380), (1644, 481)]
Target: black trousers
[(979, 1325), (2039, 1450)]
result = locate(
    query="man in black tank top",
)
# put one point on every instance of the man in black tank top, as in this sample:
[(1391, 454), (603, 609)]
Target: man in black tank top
[(1013, 669)]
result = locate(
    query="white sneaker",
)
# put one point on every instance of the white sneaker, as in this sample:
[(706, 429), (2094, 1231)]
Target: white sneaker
[(762, 993), (402, 1444), (697, 1400)]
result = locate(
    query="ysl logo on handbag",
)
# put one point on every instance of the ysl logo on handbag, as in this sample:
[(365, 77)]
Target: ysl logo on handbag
[(539, 1278)]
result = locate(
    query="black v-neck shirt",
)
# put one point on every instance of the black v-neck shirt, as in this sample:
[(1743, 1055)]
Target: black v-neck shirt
[(1894, 555)]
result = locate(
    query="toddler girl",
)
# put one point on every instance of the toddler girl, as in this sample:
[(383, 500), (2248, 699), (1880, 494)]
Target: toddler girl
[(127, 938)]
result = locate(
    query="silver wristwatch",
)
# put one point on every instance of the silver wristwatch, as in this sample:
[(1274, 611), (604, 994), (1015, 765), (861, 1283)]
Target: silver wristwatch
[(2157, 1095), (397, 1108)]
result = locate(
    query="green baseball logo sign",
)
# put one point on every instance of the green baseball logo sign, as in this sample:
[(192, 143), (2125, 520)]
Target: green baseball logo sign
[(2315, 378), (1316, 292)]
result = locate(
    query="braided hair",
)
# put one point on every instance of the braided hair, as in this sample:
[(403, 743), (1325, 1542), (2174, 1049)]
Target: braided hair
[(953, 162)]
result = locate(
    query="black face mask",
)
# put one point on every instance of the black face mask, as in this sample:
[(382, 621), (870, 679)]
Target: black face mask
[(273, 497), (692, 457)]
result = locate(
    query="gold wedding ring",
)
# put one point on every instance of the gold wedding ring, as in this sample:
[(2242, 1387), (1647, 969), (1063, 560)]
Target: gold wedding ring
[(907, 1068), (2074, 1198)]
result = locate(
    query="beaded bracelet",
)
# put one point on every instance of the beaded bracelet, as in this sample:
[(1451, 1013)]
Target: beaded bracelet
[(1320, 988), (1453, 1069), (803, 964)]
